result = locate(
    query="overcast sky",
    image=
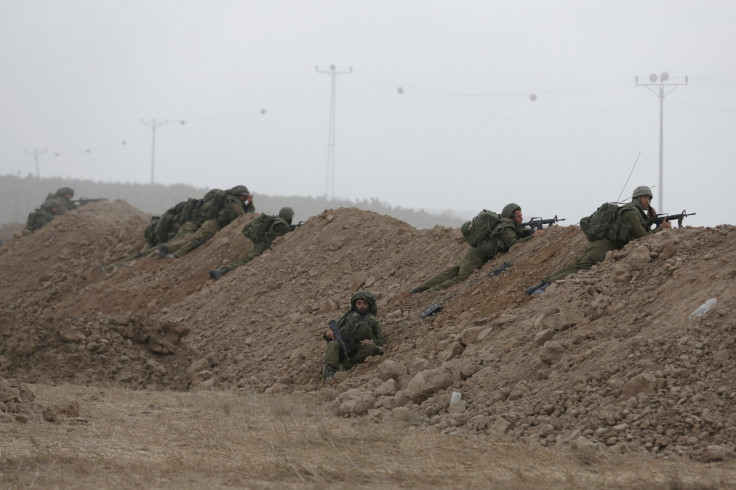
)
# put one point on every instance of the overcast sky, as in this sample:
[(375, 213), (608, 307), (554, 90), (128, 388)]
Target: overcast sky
[(437, 112)]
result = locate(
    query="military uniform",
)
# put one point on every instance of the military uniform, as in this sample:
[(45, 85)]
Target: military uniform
[(633, 222), (280, 226), (64, 201), (44, 215), (356, 327), (195, 222), (186, 240), (503, 236)]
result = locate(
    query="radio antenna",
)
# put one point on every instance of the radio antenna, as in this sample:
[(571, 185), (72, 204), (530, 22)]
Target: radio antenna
[(630, 173)]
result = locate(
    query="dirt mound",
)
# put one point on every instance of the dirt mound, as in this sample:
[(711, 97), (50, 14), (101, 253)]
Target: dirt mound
[(608, 357)]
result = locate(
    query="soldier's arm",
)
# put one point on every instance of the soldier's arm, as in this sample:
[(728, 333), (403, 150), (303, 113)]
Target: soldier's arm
[(237, 208), (509, 237), (378, 337), (631, 219)]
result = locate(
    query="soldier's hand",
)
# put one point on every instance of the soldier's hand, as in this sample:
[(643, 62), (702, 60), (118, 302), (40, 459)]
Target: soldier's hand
[(329, 335), (666, 224)]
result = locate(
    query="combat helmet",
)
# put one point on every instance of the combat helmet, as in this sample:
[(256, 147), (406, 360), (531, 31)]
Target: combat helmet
[(286, 214), (366, 296), (509, 209), (238, 190), (642, 190), (64, 191)]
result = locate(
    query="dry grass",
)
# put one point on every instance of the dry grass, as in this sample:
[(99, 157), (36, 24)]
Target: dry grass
[(155, 439)]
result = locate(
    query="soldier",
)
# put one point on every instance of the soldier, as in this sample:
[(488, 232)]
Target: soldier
[(637, 218), (203, 219), (64, 197), (211, 216), (500, 236), (360, 332), (44, 215), (262, 232)]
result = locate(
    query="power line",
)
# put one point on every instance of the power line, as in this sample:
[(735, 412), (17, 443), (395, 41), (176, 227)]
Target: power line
[(661, 82), (330, 184)]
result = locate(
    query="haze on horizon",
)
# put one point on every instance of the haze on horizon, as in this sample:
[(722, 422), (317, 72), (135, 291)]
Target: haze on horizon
[(462, 106)]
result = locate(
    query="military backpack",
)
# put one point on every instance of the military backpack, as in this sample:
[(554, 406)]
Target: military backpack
[(210, 205), (603, 223), (256, 230), (480, 227)]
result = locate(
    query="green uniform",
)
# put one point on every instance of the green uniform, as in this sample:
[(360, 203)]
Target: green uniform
[(42, 216), (505, 235), (279, 227), (186, 241), (637, 223), (354, 328), (190, 234), (64, 201)]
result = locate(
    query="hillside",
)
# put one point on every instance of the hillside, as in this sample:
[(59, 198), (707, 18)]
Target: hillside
[(20, 196), (608, 358)]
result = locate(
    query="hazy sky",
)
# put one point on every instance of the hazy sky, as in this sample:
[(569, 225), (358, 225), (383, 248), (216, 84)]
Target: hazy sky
[(436, 113)]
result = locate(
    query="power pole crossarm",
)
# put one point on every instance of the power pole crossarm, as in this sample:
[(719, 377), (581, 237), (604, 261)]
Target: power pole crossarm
[(660, 82), (330, 186)]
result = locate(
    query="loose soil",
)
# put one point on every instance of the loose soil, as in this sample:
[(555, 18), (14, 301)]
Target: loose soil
[(606, 362)]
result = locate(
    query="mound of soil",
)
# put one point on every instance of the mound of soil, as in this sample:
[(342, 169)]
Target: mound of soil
[(607, 358)]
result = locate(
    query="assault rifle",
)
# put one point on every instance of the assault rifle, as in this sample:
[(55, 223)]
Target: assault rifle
[(537, 223), (337, 335), (670, 217), (294, 227), (86, 200)]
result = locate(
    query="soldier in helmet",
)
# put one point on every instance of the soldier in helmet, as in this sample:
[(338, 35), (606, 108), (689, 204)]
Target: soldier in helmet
[(637, 218), (217, 210), (64, 197), (262, 231), (196, 221), (504, 234), (360, 336)]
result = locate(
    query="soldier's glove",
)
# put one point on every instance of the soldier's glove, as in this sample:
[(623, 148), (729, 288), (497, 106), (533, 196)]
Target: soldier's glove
[(218, 273)]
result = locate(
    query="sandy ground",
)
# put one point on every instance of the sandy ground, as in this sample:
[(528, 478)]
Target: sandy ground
[(606, 362)]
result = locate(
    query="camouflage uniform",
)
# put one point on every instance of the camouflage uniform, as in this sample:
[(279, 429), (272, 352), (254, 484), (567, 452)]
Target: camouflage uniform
[(354, 328), (64, 201), (279, 227), (191, 236), (44, 215), (194, 221), (634, 217), (504, 235)]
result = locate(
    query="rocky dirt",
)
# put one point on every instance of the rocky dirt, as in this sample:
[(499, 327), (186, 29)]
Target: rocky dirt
[(607, 358)]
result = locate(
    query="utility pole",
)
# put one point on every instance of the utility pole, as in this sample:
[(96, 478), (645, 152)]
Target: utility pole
[(661, 82), (35, 154), (330, 185), (154, 124)]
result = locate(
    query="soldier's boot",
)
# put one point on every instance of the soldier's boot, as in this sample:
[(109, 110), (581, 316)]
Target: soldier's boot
[(173, 256), (531, 290), (328, 372), (541, 288), (218, 273), (163, 250)]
